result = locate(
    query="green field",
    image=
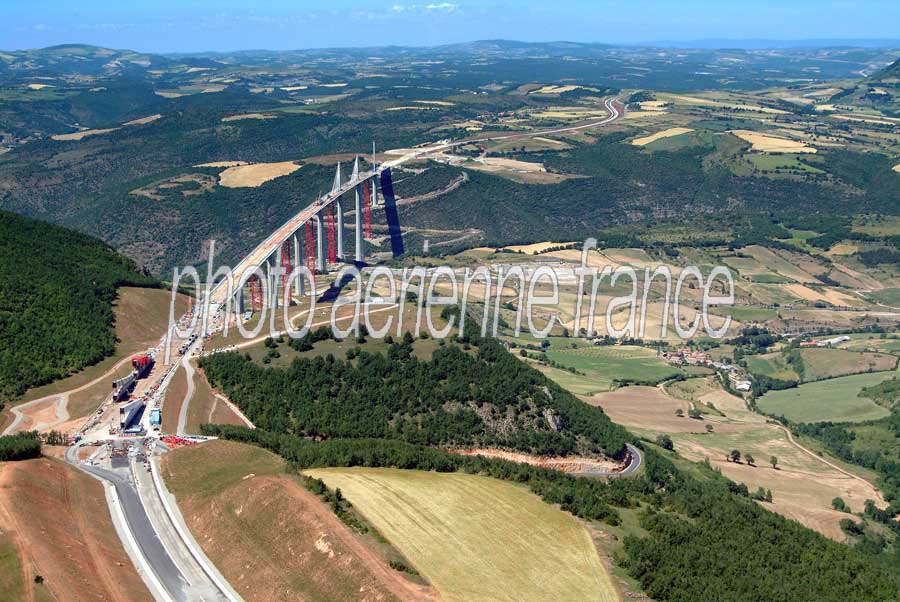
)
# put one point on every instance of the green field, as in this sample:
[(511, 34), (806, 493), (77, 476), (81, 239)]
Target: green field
[(835, 400), (887, 296), (10, 570), (476, 538), (601, 366), (820, 364)]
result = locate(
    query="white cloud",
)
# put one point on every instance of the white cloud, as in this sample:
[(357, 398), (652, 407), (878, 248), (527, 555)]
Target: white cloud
[(447, 7)]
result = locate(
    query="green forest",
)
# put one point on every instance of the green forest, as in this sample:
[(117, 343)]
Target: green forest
[(480, 397), (56, 292)]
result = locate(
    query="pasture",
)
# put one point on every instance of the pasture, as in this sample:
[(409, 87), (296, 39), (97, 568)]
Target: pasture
[(834, 399), (475, 538), (603, 366)]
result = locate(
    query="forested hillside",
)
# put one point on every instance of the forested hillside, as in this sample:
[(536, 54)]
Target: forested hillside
[(56, 294), (484, 397)]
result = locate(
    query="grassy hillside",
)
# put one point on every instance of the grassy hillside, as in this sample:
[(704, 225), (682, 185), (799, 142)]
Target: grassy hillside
[(56, 293)]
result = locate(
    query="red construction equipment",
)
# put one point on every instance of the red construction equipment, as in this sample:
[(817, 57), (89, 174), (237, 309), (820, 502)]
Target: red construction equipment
[(310, 249), (174, 441), (367, 211), (142, 364), (332, 245), (285, 265)]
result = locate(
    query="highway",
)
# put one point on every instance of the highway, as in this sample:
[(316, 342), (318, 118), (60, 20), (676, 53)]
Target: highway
[(166, 562)]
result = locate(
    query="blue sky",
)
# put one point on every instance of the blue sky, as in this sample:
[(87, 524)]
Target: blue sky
[(194, 25)]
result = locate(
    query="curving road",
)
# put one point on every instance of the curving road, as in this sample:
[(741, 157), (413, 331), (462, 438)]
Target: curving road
[(636, 459)]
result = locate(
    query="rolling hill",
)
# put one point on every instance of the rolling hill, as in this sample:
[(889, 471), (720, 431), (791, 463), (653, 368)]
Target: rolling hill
[(56, 292)]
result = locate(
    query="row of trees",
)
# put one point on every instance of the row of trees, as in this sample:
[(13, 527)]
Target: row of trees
[(21, 446)]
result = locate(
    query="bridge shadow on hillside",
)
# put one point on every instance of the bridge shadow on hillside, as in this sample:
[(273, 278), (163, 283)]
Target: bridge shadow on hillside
[(334, 291)]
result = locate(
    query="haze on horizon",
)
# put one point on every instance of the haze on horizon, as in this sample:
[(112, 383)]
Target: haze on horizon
[(225, 25)]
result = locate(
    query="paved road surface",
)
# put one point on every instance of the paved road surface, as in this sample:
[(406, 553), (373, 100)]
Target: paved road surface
[(158, 542)]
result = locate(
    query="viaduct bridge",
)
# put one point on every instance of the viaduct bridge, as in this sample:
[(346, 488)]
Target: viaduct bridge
[(325, 218)]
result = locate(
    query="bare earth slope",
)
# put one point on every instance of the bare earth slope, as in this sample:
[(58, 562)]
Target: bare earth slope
[(57, 518), (271, 538)]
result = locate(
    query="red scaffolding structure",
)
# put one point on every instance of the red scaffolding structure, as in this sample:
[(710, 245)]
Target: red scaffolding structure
[(332, 244), (255, 294), (310, 249), (285, 267), (367, 211)]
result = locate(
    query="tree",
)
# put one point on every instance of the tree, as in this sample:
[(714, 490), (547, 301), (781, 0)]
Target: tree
[(749, 459), (665, 442), (839, 504), (774, 462), (735, 456), (679, 412), (695, 414), (709, 428)]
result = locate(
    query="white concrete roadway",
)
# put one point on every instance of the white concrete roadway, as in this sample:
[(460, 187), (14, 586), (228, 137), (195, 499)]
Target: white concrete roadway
[(262, 251)]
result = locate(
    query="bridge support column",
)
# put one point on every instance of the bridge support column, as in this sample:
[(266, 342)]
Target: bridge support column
[(301, 282), (239, 301), (339, 216), (321, 265), (358, 222), (274, 262)]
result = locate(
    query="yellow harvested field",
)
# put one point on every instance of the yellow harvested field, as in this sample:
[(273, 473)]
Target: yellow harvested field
[(439, 103), (831, 296), (875, 120), (558, 142), (573, 113), (255, 174), (477, 539), (653, 105), (897, 168), (82, 134), (535, 248), (39, 86), (658, 135), (142, 120), (333, 85), (249, 116), (640, 114), (85, 133), (222, 164), (261, 90), (169, 94), (826, 108), (772, 144), (408, 109), (822, 93), (711, 102), (555, 89)]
